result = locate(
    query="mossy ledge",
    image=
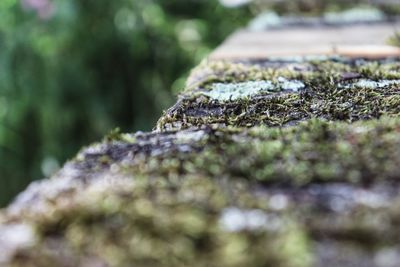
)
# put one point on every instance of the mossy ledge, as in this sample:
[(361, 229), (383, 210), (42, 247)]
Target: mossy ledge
[(333, 89), (275, 163)]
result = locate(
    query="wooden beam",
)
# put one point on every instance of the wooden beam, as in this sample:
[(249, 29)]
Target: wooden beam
[(369, 41)]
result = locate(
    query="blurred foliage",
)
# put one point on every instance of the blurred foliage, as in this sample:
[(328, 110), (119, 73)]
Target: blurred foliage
[(72, 70)]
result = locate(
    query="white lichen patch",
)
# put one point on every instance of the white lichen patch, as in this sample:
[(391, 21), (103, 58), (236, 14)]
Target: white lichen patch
[(355, 15), (236, 220), (15, 237), (278, 202), (372, 199), (387, 257), (265, 20), (190, 136), (43, 190), (290, 85), (235, 91), (304, 59), (371, 84)]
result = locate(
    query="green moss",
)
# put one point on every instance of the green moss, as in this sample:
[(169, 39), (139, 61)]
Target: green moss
[(163, 225), (223, 184), (314, 151), (334, 90), (225, 197)]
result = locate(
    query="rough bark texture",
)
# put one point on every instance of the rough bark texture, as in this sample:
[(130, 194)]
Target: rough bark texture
[(284, 163)]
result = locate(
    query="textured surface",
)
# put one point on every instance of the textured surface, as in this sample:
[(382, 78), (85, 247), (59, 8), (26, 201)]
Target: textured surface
[(356, 33), (288, 163), (351, 41), (332, 89)]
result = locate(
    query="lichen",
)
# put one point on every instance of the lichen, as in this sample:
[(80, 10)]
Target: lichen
[(235, 91), (356, 15), (370, 84), (362, 14)]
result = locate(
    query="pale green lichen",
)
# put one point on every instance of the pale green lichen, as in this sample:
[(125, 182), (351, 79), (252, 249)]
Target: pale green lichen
[(264, 21), (356, 15), (290, 85), (235, 91), (371, 84), (361, 14)]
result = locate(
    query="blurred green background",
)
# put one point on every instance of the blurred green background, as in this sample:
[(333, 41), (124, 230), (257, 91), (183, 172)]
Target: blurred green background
[(72, 70)]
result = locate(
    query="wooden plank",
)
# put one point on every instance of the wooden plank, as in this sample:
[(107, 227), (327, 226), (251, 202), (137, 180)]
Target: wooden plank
[(367, 41)]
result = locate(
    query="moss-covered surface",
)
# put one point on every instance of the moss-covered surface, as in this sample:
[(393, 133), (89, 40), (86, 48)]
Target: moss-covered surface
[(278, 163), (219, 197), (339, 89), (313, 151)]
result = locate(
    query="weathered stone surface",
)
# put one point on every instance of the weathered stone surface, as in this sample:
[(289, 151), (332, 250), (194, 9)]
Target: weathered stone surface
[(289, 163)]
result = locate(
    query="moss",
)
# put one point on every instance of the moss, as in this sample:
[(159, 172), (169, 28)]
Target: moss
[(314, 151), (334, 90), (287, 176), (194, 199), (162, 225)]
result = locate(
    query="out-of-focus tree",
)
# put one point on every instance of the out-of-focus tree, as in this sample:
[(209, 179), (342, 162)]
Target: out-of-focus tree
[(72, 70)]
